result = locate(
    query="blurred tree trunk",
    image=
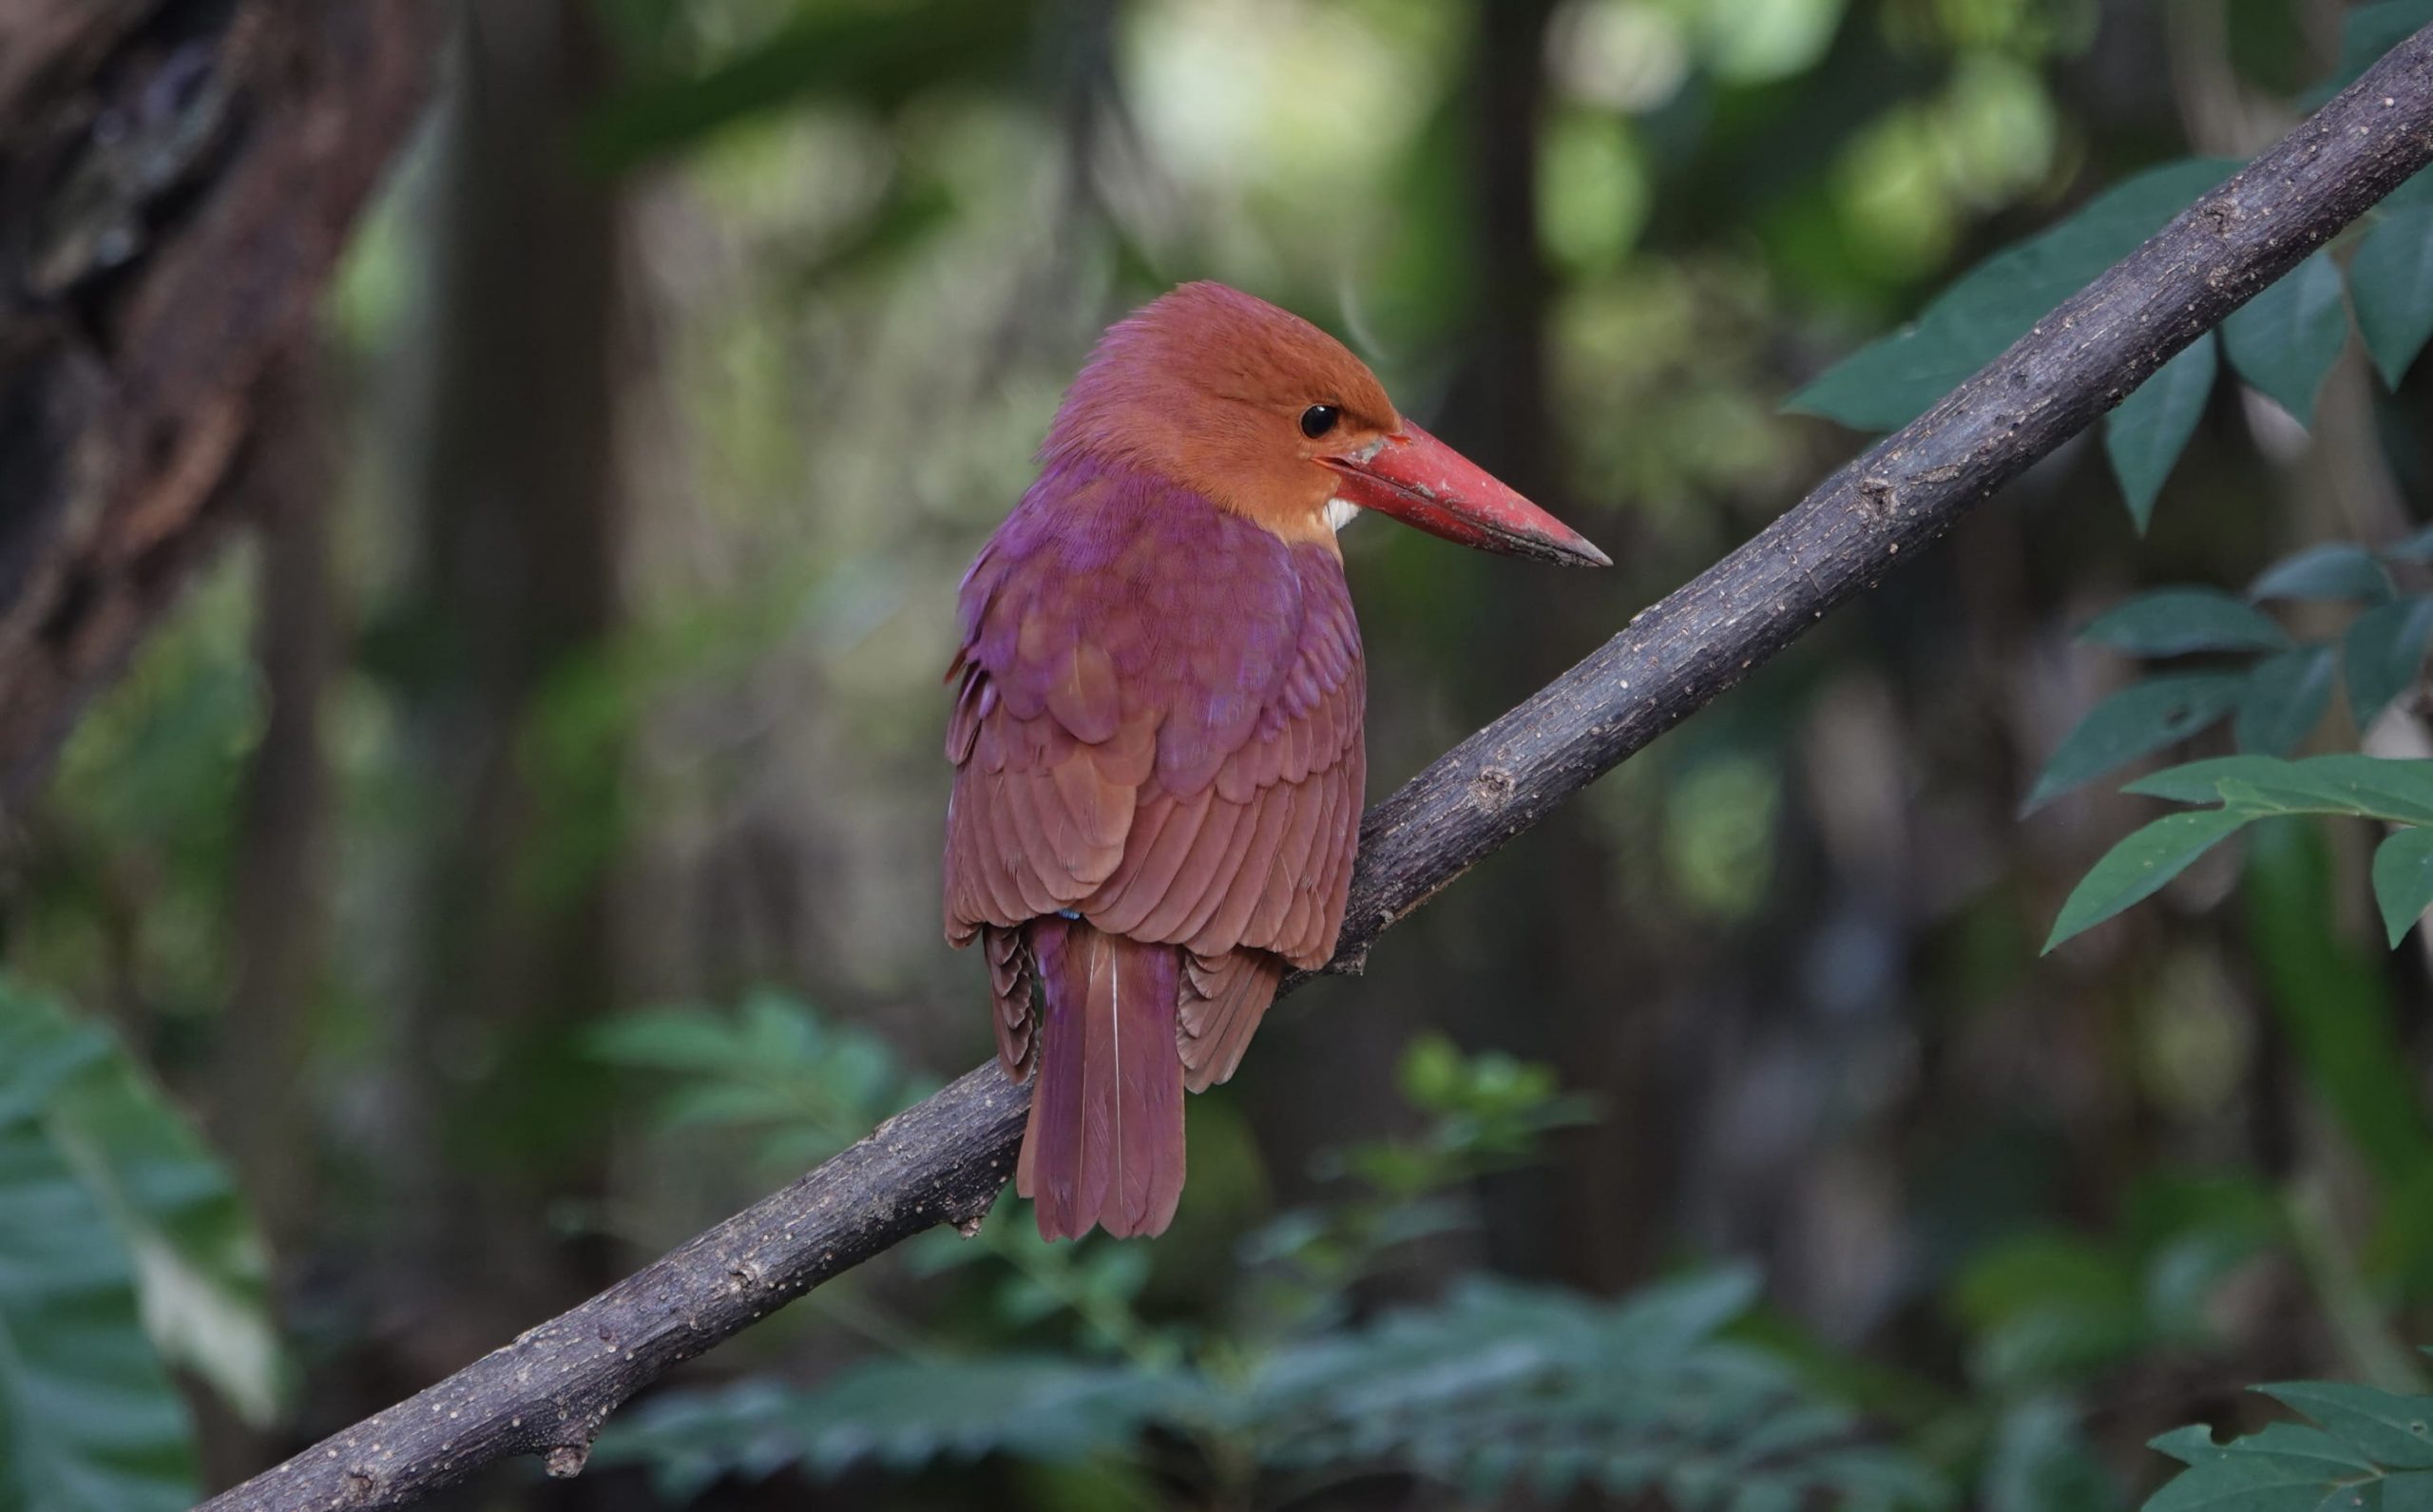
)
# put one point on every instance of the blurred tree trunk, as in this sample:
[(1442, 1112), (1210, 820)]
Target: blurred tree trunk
[(178, 178), (1565, 982), (277, 917), (255, 1102), (515, 589)]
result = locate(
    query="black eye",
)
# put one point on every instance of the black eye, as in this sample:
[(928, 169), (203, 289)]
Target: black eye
[(1318, 419)]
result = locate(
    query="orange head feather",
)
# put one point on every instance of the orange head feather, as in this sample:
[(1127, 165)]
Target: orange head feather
[(1261, 413), (1214, 389)]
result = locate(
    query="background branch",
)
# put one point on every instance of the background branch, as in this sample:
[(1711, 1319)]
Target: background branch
[(945, 1159)]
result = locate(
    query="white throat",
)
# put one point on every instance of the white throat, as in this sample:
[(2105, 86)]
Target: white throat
[(1340, 512)]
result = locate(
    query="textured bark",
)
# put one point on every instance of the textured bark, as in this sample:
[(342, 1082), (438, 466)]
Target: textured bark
[(177, 179), (944, 1160)]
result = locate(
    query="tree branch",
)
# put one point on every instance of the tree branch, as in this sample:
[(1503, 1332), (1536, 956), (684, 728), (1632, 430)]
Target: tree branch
[(944, 1160)]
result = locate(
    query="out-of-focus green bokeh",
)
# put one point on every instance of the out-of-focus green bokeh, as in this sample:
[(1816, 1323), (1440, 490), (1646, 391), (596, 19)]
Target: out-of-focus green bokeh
[(533, 854)]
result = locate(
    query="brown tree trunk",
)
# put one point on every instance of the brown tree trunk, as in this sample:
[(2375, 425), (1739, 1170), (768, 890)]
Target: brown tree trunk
[(177, 179)]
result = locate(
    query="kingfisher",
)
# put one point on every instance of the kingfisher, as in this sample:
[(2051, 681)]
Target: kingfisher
[(1155, 733)]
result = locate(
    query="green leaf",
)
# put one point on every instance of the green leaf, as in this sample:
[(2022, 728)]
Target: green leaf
[(2382, 652), (200, 1269), (2337, 570), (2295, 1441), (2139, 718), (2173, 621), (2403, 880), (2201, 781), (1888, 383), (2345, 782), (774, 1061), (88, 1419), (2285, 340), (2140, 866), (2241, 1478), (2188, 1444), (2391, 280), (1493, 1384), (2048, 1309), (38, 1052), (2394, 1431), (2284, 698), (2374, 1456), (902, 1414), (202, 1272), (2144, 436), (673, 1039)]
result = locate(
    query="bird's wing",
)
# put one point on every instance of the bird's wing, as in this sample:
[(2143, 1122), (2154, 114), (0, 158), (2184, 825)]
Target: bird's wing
[(1259, 855), (1157, 727)]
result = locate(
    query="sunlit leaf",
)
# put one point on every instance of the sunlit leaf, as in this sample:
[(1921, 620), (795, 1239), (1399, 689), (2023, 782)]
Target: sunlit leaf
[(2172, 621), (2145, 434), (2284, 698), (2382, 653), (2403, 880), (2336, 570), (2139, 718), (2285, 340), (2140, 866)]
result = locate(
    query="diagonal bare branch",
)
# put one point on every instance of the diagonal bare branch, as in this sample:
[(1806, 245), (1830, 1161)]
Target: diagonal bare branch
[(944, 1160)]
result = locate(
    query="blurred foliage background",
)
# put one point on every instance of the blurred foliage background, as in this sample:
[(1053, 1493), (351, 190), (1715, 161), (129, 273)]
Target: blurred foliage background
[(533, 856)]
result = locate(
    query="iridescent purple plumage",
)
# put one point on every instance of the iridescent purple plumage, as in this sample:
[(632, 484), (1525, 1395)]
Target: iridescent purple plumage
[(1157, 732)]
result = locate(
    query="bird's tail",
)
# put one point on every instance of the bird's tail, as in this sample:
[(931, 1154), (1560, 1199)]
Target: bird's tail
[(1104, 1143)]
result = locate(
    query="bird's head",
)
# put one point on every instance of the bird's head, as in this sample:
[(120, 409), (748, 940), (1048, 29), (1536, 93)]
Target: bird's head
[(1261, 411)]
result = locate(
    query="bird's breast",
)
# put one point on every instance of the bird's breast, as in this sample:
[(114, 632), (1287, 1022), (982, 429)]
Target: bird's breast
[(1112, 599)]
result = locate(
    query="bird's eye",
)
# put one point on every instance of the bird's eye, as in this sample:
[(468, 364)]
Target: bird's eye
[(1318, 419)]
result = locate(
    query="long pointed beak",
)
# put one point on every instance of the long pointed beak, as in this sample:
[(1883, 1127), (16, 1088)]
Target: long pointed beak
[(1421, 481)]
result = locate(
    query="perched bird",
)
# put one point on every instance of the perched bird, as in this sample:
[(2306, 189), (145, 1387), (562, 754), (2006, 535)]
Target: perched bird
[(1157, 723)]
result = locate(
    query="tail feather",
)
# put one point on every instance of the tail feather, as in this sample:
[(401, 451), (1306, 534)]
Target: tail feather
[(1104, 1144), (1010, 994), (1229, 995)]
